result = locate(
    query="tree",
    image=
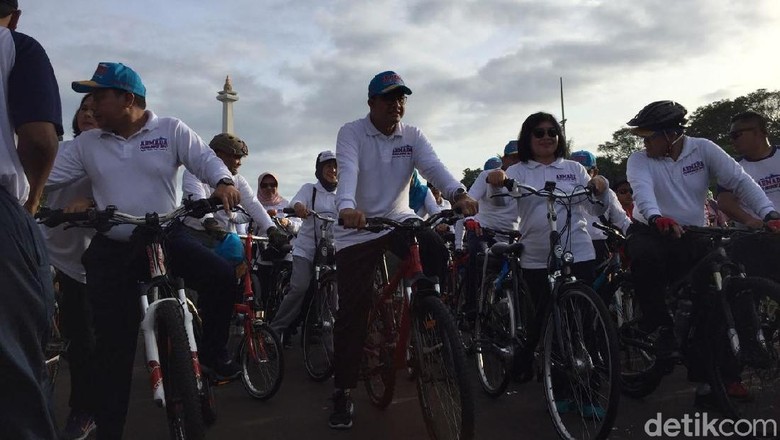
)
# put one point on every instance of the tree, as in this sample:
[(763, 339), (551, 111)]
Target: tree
[(712, 120), (469, 176), (613, 154)]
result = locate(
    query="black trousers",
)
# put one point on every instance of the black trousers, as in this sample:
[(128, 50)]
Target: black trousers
[(77, 328), (113, 270), (355, 276)]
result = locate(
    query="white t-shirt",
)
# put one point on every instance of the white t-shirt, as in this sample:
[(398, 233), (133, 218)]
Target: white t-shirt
[(324, 204), (66, 246), (568, 176), (766, 173), (498, 213), (678, 189), (431, 207), (137, 174), (375, 171), (614, 214)]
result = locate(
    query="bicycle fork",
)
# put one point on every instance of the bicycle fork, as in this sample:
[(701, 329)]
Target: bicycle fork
[(731, 328)]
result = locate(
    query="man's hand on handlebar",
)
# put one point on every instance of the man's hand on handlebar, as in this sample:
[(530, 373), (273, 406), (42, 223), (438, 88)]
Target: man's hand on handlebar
[(229, 196), (352, 218), (598, 184), (79, 204), (466, 205), (496, 177)]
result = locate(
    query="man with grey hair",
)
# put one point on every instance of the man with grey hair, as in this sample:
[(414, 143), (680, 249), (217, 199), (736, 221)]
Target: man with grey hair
[(31, 111)]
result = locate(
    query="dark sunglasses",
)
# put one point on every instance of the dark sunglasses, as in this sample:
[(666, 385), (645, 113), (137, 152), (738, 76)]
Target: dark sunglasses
[(269, 185), (735, 134), (539, 132), (625, 191)]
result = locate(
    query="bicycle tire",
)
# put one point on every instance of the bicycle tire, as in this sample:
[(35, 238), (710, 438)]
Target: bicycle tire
[(495, 333), (182, 402), (587, 329), (317, 338), (378, 354), (262, 361), (440, 360), (754, 299)]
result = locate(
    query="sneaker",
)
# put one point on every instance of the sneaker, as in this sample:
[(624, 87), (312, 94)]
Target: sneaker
[(737, 391), (343, 410), (78, 426)]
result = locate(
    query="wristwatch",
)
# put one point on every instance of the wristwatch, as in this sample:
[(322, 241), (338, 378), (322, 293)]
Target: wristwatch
[(460, 192), (226, 181)]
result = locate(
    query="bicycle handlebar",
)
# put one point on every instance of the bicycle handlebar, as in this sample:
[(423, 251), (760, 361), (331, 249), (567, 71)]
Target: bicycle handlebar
[(109, 217), (378, 224), (610, 231), (291, 213)]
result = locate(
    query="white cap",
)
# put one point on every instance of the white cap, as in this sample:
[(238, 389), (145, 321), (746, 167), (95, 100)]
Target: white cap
[(325, 156)]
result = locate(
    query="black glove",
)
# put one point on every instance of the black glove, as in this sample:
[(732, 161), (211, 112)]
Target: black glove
[(276, 238)]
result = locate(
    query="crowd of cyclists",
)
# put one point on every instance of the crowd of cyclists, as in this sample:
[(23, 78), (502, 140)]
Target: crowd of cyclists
[(123, 154)]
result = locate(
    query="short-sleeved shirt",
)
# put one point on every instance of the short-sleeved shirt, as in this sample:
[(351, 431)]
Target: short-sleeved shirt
[(30, 94), (766, 173)]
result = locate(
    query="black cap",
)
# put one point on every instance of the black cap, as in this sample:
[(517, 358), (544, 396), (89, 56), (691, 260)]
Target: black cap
[(13, 3)]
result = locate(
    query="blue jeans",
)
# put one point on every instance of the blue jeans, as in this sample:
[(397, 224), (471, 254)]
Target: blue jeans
[(26, 308)]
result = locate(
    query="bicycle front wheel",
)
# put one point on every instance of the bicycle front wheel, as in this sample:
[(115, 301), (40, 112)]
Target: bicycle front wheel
[(495, 335), (262, 362), (318, 331), (581, 365), (443, 385), (182, 402)]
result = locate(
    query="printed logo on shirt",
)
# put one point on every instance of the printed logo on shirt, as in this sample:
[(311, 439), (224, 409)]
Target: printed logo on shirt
[(405, 151), (693, 168), (566, 177), (770, 182), (160, 143)]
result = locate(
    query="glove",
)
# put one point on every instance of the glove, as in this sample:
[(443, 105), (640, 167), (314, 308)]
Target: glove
[(773, 225), (471, 225), (664, 225), (276, 238)]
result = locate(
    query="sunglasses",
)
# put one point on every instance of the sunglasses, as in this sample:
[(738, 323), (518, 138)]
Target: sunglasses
[(269, 185), (735, 134), (539, 132), (625, 191)]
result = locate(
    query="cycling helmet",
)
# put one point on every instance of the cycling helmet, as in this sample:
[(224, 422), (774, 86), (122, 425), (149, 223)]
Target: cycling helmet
[(660, 115), (492, 163), (229, 143)]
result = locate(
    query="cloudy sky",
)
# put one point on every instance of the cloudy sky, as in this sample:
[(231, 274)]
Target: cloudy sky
[(477, 68)]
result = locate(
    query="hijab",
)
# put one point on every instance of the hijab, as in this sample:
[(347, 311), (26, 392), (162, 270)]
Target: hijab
[(268, 201)]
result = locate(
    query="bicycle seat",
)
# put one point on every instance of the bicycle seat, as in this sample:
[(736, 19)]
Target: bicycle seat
[(501, 249)]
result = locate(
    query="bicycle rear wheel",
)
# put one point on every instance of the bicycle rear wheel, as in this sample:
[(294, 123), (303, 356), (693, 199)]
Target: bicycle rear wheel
[(747, 386), (581, 365), (495, 334), (182, 402), (443, 385), (262, 362), (318, 330)]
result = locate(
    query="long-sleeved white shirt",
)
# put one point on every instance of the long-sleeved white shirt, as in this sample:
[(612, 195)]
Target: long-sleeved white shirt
[(431, 207), (375, 171), (568, 176), (678, 189), (66, 246), (614, 214), (194, 188), (498, 213), (324, 204), (137, 174)]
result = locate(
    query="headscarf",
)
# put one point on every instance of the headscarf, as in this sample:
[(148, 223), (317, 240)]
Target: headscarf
[(417, 192), (319, 164), (268, 201)]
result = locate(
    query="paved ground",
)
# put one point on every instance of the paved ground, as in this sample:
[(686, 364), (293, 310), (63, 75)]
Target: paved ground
[(301, 408)]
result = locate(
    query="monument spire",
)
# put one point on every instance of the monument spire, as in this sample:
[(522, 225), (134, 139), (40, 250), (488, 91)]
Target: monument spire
[(227, 97)]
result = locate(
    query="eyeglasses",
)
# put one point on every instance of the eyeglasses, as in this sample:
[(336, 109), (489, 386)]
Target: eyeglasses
[(393, 98), (735, 134), (269, 185), (625, 191), (539, 132)]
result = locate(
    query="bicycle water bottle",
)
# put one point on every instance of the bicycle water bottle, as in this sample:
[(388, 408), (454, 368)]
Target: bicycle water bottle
[(682, 321)]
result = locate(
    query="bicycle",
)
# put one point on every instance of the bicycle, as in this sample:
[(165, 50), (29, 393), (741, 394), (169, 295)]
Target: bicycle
[(259, 351), (405, 314), (579, 342), (453, 292), (167, 317), (320, 316), (504, 315)]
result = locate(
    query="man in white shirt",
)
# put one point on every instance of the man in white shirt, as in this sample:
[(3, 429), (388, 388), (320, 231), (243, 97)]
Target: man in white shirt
[(670, 179), (30, 110), (132, 162), (376, 157)]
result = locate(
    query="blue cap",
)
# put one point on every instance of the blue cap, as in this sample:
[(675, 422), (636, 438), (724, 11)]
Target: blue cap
[(586, 158), (112, 76), (492, 163), (387, 82), (510, 148)]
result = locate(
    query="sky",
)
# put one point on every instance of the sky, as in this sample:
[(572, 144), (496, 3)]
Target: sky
[(477, 68)]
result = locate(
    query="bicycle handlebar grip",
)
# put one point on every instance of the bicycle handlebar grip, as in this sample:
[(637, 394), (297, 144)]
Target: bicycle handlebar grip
[(509, 184)]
